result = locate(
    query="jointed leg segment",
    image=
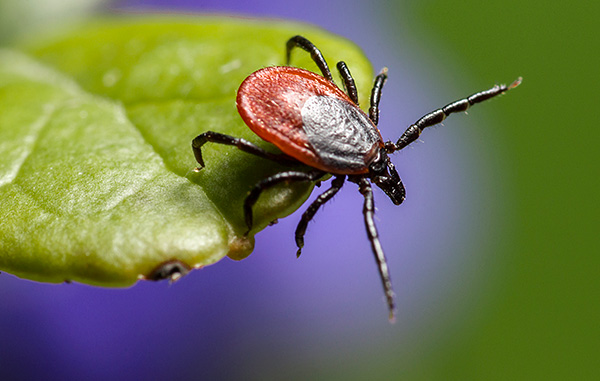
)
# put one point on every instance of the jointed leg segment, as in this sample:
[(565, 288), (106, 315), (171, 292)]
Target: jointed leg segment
[(315, 53), (244, 145), (289, 177), (364, 187), (310, 212), (317, 56), (376, 95), (349, 84), (437, 116)]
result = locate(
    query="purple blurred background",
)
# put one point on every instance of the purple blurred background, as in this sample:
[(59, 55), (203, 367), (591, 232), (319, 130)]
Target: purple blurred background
[(272, 315)]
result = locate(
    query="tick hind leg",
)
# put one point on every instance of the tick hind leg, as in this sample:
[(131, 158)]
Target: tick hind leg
[(308, 215), (315, 54), (437, 116), (282, 177), (369, 211), (244, 145)]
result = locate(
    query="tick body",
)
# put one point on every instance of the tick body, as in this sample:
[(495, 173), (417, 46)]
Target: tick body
[(310, 119), (314, 122)]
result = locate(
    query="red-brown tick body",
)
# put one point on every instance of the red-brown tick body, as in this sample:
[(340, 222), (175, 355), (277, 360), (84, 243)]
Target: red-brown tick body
[(310, 119), (313, 122)]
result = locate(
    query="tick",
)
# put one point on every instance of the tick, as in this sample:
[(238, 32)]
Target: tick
[(314, 122)]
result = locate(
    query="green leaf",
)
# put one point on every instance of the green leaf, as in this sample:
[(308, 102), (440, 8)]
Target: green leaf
[(97, 176)]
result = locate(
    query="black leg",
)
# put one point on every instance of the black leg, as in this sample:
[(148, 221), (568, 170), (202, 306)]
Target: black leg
[(244, 145), (376, 95), (437, 116), (290, 176), (310, 212), (368, 211), (349, 84), (315, 53)]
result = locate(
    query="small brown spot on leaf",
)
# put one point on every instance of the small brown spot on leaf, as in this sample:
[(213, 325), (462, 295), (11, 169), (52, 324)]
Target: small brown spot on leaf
[(172, 270), (240, 248)]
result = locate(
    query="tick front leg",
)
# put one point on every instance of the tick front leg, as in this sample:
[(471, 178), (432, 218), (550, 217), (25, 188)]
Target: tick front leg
[(437, 116), (308, 215), (282, 177), (244, 145), (369, 211)]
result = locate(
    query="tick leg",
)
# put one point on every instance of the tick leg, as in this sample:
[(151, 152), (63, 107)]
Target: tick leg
[(349, 84), (376, 95), (368, 211), (437, 116), (308, 215), (289, 176), (244, 145), (315, 54)]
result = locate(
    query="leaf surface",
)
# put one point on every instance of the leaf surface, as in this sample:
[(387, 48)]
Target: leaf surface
[(97, 176)]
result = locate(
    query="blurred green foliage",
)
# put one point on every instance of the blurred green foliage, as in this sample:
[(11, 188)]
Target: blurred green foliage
[(96, 166), (544, 322)]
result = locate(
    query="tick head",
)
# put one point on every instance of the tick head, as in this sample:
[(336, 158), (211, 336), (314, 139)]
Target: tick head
[(383, 174)]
